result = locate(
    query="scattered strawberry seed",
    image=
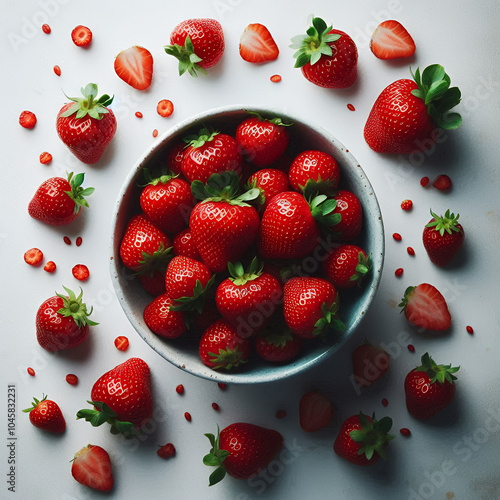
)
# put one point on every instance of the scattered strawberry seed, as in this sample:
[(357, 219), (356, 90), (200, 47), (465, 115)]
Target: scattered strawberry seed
[(406, 204), (215, 406), (405, 432), (67, 240), (411, 347), (79, 241), (179, 389), (470, 329), (399, 271), (155, 133), (280, 414), (72, 379), (424, 181), (187, 416), (45, 158), (442, 182), (397, 236), (31, 371), (138, 114), (50, 267), (33, 257), (222, 386), (122, 343), (410, 251), (165, 108), (275, 78), (81, 272), (57, 70), (46, 29), (166, 451), (350, 107), (27, 119), (385, 402)]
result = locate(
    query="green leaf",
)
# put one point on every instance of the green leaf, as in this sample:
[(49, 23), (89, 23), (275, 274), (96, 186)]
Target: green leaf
[(302, 59), (449, 100), (431, 74), (357, 436), (333, 37), (436, 90), (316, 56), (319, 24), (217, 476), (211, 460), (450, 121)]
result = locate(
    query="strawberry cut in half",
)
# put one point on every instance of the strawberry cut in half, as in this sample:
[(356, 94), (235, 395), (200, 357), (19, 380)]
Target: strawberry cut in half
[(92, 467), (257, 44), (425, 307), (391, 40), (135, 67)]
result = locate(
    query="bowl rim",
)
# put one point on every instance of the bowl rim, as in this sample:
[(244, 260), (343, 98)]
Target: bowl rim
[(295, 367)]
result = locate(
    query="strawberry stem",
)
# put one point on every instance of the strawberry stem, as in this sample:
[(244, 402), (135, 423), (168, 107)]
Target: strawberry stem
[(74, 307), (373, 436), (95, 108), (188, 60), (435, 372), (448, 223), (77, 193)]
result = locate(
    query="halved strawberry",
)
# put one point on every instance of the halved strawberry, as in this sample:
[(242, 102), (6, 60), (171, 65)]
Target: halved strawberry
[(92, 467), (257, 44), (135, 67), (391, 40), (425, 307)]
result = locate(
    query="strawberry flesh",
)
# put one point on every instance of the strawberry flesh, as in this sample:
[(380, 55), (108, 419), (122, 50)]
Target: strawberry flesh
[(257, 44), (391, 41)]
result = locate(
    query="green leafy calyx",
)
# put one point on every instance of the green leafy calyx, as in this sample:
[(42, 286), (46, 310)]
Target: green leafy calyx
[(74, 307), (226, 358), (435, 372), (155, 261), (322, 209), (329, 320), (447, 223), (373, 436), (238, 274), (362, 268), (35, 403), (104, 414), (197, 301), (206, 134), (77, 193), (276, 120), (88, 104), (188, 60), (215, 458)]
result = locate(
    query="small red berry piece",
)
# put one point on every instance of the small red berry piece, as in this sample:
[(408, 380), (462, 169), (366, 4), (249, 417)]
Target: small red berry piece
[(179, 389), (122, 343), (406, 204), (215, 406), (138, 114), (275, 78), (411, 347), (187, 416), (45, 158), (166, 451), (31, 371), (50, 267), (81, 36), (81, 272), (155, 133), (222, 386), (410, 251), (33, 257), (405, 431), (78, 241), (470, 329), (27, 119), (424, 181), (165, 108), (442, 182), (397, 236), (385, 402), (46, 29), (72, 379), (399, 271), (350, 107), (67, 240), (280, 414), (57, 70)]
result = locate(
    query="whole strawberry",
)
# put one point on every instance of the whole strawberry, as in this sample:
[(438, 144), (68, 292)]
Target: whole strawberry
[(315, 411), (46, 414), (363, 440), (270, 182), (162, 320), (350, 212), (58, 201), (443, 237), (327, 57), (347, 265), (407, 113), (262, 140), (198, 44), (92, 467), (86, 125), (62, 321), (429, 388), (277, 346), (122, 397), (241, 450), (369, 363)]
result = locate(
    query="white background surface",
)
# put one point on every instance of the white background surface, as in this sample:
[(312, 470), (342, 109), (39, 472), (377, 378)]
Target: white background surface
[(453, 456)]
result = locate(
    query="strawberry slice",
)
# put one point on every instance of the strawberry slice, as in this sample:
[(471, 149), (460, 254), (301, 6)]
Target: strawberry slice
[(315, 411), (92, 467), (81, 36), (135, 67), (391, 41), (425, 307), (257, 44)]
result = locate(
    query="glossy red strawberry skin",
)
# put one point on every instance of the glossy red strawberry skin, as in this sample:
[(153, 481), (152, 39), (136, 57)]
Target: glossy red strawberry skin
[(315, 411), (207, 38), (313, 164), (47, 415), (184, 245), (54, 332), (339, 70), (369, 364), (442, 248), (92, 467), (51, 204), (261, 141), (86, 137), (273, 353), (351, 210), (182, 274), (223, 232), (288, 229), (251, 448), (399, 122), (153, 281), (161, 320), (126, 389), (423, 399), (141, 236), (270, 181), (341, 263)]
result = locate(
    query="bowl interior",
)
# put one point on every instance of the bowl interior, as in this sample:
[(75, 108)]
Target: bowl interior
[(183, 352)]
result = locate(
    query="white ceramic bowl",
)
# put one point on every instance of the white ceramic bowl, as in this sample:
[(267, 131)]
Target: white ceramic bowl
[(183, 352)]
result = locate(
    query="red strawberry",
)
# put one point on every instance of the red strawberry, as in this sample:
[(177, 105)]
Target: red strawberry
[(122, 397), (184, 245), (315, 171), (198, 44), (369, 363), (143, 246), (407, 113), (166, 451), (241, 450), (391, 41), (62, 322), (81, 36), (248, 299), (58, 201), (221, 347), (257, 44), (153, 280), (315, 411), (310, 306), (223, 225), (347, 265), (160, 318), (86, 125), (351, 216), (425, 307), (429, 388), (46, 414), (442, 182), (92, 467), (167, 202), (270, 182), (363, 440), (327, 57), (443, 237), (262, 140), (210, 153), (135, 67), (27, 119), (174, 158), (278, 346)]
